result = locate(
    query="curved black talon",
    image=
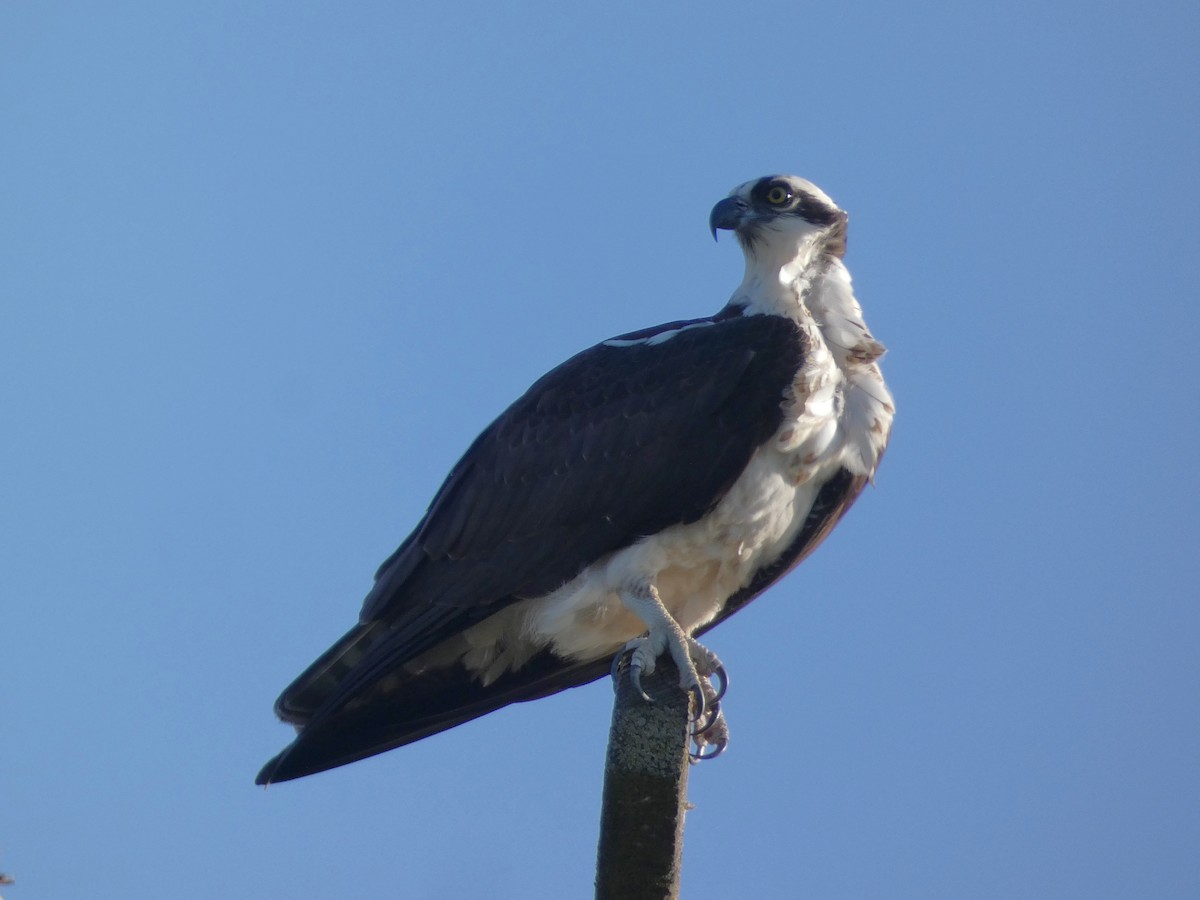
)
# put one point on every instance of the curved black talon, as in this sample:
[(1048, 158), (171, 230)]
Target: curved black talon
[(722, 679), (711, 715), (615, 672), (635, 678), (701, 704), (702, 756)]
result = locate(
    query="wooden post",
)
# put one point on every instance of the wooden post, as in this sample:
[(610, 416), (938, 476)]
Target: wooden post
[(645, 789)]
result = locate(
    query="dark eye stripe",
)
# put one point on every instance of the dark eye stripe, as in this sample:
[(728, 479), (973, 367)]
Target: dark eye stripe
[(762, 191), (804, 204)]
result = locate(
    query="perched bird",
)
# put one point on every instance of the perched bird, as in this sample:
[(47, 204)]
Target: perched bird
[(632, 498)]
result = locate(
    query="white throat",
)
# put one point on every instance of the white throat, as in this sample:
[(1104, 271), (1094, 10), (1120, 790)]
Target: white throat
[(779, 274)]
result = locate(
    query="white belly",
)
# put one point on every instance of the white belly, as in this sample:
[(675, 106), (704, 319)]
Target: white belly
[(695, 567)]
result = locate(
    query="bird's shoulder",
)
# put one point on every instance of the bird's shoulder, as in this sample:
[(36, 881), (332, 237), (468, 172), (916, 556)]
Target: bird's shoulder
[(640, 369), (639, 395)]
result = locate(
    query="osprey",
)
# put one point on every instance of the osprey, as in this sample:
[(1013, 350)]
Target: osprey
[(634, 497)]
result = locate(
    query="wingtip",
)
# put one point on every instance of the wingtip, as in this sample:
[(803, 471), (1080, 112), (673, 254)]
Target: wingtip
[(301, 759), (266, 773), (275, 771)]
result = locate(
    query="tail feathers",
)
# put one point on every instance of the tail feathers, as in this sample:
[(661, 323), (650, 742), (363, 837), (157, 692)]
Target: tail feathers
[(301, 699), (422, 705)]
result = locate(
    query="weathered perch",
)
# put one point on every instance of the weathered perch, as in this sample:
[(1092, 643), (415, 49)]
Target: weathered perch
[(645, 789)]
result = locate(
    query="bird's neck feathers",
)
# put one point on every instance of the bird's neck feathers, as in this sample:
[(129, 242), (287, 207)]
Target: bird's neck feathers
[(808, 284), (781, 271)]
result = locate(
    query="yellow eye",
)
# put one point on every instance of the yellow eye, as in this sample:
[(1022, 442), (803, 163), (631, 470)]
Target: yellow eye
[(778, 195)]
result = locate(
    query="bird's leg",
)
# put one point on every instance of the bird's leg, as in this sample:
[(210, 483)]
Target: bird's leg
[(696, 663)]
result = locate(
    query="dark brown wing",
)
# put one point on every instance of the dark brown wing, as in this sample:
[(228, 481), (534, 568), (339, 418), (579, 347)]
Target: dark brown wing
[(441, 699), (621, 441)]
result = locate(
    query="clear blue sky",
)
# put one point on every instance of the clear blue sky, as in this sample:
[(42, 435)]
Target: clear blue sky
[(266, 269)]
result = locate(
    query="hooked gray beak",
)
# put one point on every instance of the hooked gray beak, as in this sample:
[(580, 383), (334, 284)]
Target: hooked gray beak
[(727, 215)]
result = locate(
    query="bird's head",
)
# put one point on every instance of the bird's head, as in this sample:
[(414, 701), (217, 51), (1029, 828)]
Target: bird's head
[(781, 216)]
